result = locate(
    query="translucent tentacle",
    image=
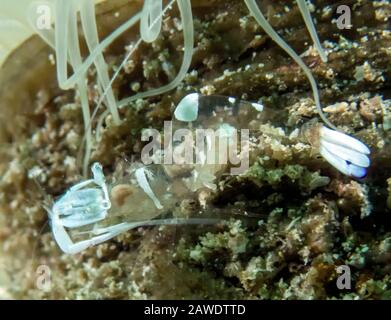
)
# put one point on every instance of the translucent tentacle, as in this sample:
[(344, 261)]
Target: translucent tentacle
[(61, 40), (259, 17), (76, 61), (151, 20), (88, 20), (305, 12), (49, 37), (188, 34), (122, 65)]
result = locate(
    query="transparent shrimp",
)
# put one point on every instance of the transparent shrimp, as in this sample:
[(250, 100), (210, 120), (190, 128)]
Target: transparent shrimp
[(145, 194)]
